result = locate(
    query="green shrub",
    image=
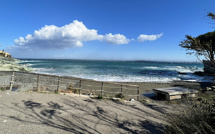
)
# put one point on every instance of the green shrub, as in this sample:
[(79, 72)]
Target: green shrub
[(120, 95), (70, 88), (100, 96), (2, 88), (76, 91)]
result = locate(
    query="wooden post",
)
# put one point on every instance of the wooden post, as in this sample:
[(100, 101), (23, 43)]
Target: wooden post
[(102, 89), (58, 83), (80, 87), (11, 82), (38, 80), (138, 93)]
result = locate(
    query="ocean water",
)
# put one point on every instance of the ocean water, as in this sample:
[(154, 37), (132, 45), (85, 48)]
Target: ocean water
[(119, 71)]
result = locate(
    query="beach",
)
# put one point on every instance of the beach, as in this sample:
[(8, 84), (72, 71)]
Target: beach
[(107, 67), (24, 112), (164, 74), (29, 110)]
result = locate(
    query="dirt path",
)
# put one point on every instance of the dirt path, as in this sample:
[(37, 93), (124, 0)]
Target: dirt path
[(22, 112)]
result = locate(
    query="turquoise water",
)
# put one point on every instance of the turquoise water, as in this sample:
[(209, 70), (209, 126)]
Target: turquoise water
[(118, 71)]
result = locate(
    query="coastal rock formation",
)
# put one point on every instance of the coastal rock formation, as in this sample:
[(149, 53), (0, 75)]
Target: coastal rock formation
[(11, 64)]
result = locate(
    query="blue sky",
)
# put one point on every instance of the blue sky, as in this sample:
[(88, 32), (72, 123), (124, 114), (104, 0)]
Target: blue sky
[(102, 29)]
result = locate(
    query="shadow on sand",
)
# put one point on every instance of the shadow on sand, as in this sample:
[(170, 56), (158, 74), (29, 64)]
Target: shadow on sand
[(86, 117)]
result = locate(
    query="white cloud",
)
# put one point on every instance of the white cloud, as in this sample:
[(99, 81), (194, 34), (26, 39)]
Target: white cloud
[(71, 35), (116, 39), (144, 37)]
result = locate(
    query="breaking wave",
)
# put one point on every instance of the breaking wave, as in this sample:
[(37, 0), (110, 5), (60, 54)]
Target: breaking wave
[(119, 71)]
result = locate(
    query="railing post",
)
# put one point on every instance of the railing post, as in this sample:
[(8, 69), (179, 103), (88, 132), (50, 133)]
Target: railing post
[(80, 87), (138, 93), (12, 81), (102, 88), (38, 80), (58, 83)]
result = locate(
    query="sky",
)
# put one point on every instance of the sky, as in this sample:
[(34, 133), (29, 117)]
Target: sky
[(102, 29)]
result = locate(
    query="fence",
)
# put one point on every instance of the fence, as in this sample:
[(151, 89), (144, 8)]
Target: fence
[(23, 81)]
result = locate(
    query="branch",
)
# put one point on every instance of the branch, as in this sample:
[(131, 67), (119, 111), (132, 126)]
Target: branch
[(211, 15)]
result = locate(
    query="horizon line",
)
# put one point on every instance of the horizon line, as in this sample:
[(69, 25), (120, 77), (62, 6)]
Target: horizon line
[(143, 60)]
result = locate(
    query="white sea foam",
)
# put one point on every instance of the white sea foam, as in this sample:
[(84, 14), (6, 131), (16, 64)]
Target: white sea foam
[(126, 78), (151, 67), (45, 70), (28, 65), (183, 69), (87, 74), (24, 61)]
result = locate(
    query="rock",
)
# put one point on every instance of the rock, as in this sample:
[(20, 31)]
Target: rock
[(199, 73), (182, 73), (208, 88), (9, 64), (132, 100)]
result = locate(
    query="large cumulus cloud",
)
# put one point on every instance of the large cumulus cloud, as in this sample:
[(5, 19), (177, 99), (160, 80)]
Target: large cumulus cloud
[(71, 35)]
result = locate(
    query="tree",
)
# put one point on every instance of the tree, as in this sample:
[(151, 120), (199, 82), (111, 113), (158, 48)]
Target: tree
[(211, 15), (203, 45)]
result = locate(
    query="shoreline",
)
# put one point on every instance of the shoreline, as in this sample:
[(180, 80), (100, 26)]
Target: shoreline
[(10, 64), (144, 86)]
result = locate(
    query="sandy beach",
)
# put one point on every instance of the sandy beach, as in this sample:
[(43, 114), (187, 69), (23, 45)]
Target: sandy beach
[(24, 112)]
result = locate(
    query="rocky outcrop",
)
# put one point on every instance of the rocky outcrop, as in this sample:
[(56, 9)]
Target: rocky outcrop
[(11, 64)]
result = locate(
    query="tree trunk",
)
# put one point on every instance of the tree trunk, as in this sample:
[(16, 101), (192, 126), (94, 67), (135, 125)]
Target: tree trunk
[(208, 67)]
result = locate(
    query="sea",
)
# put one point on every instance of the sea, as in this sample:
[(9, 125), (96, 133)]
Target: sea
[(119, 71)]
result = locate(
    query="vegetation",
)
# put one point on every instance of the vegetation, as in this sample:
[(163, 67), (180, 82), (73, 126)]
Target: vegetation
[(100, 96), (2, 88), (120, 95), (73, 90), (211, 15), (203, 45), (198, 118)]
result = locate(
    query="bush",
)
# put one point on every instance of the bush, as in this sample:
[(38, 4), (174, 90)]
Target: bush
[(100, 96), (198, 118), (70, 88), (120, 95), (2, 88)]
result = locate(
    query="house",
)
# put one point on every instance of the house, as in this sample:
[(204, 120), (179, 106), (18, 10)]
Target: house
[(5, 54)]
